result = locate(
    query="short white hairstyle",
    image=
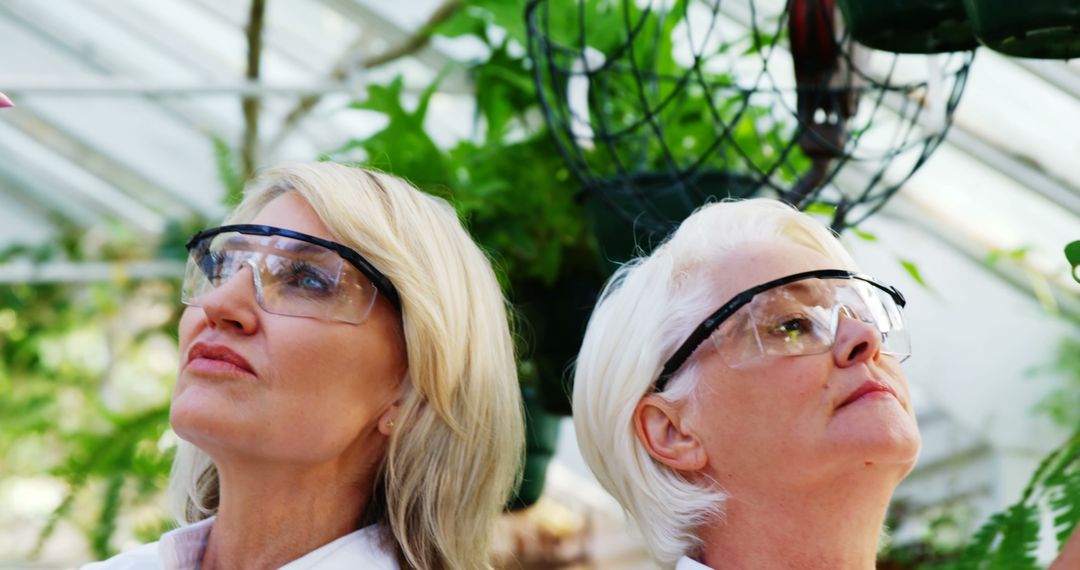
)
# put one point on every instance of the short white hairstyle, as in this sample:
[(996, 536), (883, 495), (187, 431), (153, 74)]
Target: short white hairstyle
[(645, 311)]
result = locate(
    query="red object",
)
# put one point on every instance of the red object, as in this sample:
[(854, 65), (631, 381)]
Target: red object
[(813, 40), (5, 102), (821, 82)]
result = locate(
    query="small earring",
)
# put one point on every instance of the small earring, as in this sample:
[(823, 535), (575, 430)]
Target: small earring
[(390, 423)]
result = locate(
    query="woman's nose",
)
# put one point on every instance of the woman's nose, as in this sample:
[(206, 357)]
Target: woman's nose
[(856, 341), (233, 304)]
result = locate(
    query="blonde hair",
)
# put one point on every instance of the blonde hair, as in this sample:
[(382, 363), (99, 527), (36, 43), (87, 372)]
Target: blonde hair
[(644, 312), (455, 456)]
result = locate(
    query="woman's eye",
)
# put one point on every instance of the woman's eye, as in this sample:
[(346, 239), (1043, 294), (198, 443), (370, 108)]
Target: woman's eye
[(311, 282), (793, 327), (308, 279), (213, 265)]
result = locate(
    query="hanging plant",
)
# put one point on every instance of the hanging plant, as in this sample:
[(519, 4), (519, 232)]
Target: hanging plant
[(1048, 29), (906, 26)]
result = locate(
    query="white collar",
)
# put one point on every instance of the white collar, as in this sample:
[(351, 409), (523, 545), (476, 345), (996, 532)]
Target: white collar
[(182, 549), (687, 563)]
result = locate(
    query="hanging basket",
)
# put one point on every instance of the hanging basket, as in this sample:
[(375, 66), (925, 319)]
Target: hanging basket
[(626, 225), (1048, 29), (910, 26)]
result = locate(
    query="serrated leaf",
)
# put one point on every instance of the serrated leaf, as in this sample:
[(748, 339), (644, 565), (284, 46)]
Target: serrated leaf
[(384, 99)]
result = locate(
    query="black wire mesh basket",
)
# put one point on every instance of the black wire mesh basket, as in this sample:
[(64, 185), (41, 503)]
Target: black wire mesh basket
[(659, 106)]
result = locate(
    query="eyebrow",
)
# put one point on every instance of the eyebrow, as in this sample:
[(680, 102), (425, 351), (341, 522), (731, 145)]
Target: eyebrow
[(302, 247), (292, 246), (801, 292), (803, 289)]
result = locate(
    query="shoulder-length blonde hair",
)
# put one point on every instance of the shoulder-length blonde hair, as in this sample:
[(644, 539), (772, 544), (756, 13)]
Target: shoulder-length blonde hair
[(456, 453)]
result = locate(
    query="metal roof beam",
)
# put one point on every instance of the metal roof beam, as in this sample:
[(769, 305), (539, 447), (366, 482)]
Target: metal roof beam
[(90, 159), (1063, 77), (1015, 167), (388, 30), (88, 271), (80, 189), (118, 86)]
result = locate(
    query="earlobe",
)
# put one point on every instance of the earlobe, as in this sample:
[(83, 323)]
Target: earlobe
[(661, 429), (386, 421)]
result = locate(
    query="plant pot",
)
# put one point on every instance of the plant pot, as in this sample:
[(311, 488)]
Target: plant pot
[(1048, 29), (541, 436), (630, 216), (909, 26)]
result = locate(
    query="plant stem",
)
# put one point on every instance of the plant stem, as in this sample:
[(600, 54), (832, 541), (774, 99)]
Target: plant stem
[(413, 44), (250, 147)]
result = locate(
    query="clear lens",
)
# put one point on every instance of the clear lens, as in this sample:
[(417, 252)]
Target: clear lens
[(802, 318), (291, 277)]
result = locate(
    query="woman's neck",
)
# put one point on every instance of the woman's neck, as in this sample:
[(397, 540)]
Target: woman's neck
[(271, 515), (834, 526)]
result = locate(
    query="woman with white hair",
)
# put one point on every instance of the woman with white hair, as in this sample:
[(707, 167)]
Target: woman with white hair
[(739, 392), (347, 394)]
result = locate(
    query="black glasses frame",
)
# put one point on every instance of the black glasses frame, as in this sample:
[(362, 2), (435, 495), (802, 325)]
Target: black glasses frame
[(710, 324), (381, 282)]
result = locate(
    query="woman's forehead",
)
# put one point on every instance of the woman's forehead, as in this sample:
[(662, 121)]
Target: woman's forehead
[(750, 264), (291, 211)]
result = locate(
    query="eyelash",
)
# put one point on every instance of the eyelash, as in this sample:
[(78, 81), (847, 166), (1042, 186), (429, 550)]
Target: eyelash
[(301, 270)]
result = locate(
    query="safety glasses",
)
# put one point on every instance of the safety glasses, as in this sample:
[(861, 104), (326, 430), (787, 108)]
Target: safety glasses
[(294, 274), (796, 315)]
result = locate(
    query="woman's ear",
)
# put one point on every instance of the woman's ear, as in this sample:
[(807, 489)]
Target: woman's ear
[(660, 427)]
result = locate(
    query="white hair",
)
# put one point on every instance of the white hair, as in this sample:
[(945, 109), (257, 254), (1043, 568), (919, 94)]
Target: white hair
[(647, 308)]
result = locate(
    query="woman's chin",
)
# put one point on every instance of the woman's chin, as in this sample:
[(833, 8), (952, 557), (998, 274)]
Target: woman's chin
[(892, 441), (202, 423)]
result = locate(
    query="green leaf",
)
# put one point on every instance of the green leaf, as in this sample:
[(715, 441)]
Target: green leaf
[(504, 91), (1018, 255), (507, 14), (384, 99), (228, 169), (1019, 540), (867, 236), (403, 146), (820, 208), (913, 271), (101, 534), (1072, 253), (467, 22)]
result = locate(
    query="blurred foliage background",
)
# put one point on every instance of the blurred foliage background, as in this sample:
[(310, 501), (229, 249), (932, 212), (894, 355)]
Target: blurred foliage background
[(86, 368)]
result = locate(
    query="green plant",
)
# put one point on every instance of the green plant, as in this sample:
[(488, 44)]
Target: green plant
[(1009, 539), (510, 185), (86, 370)]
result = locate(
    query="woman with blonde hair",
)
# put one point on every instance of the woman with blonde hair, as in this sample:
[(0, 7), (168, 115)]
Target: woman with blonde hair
[(739, 392), (347, 394)]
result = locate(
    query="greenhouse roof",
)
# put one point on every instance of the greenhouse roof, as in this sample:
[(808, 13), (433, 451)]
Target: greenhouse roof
[(120, 101), (124, 106)]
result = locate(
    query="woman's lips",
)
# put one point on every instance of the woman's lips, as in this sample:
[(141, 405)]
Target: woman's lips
[(217, 360), (868, 388)]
